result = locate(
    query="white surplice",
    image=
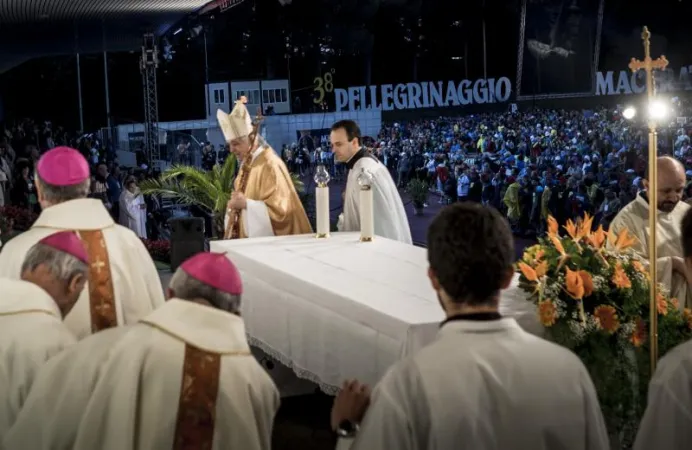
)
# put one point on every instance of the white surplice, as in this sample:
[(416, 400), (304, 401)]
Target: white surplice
[(390, 216), (141, 216), (667, 422), (135, 278), (131, 213), (31, 332), (484, 385), (59, 411), (635, 217)]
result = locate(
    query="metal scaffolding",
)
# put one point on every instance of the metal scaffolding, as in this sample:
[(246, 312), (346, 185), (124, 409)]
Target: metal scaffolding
[(148, 63)]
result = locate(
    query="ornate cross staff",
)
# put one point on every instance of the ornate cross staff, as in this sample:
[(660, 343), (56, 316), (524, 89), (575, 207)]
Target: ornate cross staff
[(649, 65)]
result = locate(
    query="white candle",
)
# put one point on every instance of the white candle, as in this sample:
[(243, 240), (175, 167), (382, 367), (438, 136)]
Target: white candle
[(322, 210), (367, 223)]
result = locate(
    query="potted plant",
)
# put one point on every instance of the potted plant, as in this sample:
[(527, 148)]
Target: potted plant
[(418, 190), (209, 190)]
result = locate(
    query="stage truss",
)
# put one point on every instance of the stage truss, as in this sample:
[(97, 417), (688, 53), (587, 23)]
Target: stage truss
[(148, 63)]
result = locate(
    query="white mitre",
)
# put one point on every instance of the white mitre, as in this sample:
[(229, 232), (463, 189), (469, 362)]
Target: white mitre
[(238, 123)]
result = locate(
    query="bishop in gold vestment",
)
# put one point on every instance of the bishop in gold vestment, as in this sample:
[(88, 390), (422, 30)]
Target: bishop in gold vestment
[(264, 201)]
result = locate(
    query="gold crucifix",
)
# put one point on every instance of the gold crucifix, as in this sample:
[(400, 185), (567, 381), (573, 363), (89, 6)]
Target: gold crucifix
[(649, 65)]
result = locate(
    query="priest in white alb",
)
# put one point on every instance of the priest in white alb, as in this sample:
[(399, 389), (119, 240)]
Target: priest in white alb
[(264, 201), (390, 217), (634, 217), (123, 285), (31, 311), (484, 383), (667, 421), (182, 378)]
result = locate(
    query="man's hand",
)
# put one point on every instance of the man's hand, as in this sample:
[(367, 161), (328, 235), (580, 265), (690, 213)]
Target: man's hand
[(680, 267), (351, 403), (238, 201)]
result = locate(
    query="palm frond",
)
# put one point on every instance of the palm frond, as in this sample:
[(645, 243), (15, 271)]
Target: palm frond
[(176, 191), (209, 190), (298, 183)]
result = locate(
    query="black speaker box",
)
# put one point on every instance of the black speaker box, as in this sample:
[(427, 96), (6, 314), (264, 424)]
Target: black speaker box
[(187, 238)]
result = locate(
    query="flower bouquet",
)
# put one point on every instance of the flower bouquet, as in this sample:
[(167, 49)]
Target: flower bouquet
[(591, 291), (21, 218)]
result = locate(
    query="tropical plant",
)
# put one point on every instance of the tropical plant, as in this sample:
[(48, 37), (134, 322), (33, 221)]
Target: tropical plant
[(591, 291), (208, 190), (419, 191)]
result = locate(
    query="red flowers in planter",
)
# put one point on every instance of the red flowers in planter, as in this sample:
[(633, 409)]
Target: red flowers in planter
[(19, 219), (159, 250)]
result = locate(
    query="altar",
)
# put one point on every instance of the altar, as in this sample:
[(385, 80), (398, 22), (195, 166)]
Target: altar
[(337, 308)]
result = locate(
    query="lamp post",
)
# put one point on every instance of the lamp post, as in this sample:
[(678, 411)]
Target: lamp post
[(657, 110)]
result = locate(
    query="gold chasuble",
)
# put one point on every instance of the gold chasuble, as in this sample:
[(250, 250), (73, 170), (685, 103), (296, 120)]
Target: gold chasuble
[(269, 182)]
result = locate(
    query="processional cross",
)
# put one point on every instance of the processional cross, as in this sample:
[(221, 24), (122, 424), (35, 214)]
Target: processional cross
[(649, 65)]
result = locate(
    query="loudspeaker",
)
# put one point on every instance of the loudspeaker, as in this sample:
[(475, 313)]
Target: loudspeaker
[(187, 238)]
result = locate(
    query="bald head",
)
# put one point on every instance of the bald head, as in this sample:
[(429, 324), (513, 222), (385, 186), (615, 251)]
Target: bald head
[(671, 183), (669, 167)]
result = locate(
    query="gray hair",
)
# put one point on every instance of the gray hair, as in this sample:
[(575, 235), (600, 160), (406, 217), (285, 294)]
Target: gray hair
[(187, 288), (59, 194), (61, 265)]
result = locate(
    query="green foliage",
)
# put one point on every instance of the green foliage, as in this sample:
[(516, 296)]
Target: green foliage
[(419, 191), (188, 185)]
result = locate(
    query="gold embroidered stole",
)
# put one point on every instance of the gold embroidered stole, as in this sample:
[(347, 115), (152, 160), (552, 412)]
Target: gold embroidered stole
[(233, 226), (101, 292), (194, 428)]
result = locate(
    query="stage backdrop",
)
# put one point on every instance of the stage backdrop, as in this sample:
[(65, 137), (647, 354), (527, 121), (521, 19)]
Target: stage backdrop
[(559, 44)]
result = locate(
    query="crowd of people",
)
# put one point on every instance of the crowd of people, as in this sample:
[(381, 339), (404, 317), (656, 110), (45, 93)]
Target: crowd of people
[(23, 142), (531, 164), (528, 164)]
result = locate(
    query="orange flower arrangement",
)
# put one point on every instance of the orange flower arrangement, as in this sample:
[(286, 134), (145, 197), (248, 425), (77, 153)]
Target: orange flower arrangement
[(640, 333), (620, 279), (661, 304), (547, 313), (607, 318), (591, 291)]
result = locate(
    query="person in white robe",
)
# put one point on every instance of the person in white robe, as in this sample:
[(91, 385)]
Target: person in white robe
[(183, 377), (124, 285), (635, 218), (667, 421), (132, 215), (390, 217), (484, 383), (31, 311)]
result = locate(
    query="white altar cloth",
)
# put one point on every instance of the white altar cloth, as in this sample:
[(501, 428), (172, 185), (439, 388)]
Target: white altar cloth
[(336, 308)]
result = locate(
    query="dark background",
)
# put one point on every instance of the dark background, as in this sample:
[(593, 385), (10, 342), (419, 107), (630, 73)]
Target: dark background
[(363, 42)]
